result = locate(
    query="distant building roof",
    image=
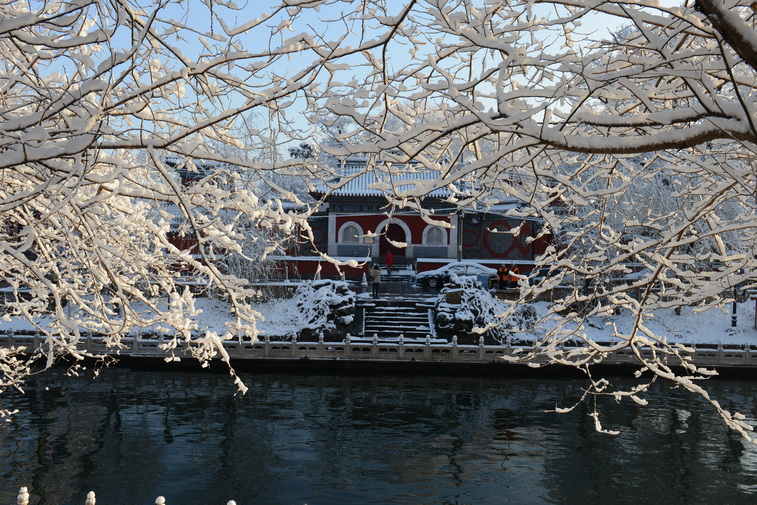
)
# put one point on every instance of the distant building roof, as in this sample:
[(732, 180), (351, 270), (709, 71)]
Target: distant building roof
[(397, 180)]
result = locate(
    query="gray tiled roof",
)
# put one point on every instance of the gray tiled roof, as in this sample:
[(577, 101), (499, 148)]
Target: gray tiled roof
[(397, 180)]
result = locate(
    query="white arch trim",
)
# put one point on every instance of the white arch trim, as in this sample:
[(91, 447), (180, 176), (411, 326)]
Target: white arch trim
[(386, 222), (360, 233)]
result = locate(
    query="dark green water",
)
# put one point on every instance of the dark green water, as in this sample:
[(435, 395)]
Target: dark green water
[(134, 435)]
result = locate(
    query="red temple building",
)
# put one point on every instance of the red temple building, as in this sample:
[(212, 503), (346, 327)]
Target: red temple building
[(356, 222)]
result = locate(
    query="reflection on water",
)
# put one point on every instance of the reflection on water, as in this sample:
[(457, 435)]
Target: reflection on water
[(133, 435)]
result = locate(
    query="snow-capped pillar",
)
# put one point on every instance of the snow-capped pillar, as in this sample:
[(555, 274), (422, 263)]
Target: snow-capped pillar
[(453, 235), (23, 496), (90, 498), (332, 235), (160, 501)]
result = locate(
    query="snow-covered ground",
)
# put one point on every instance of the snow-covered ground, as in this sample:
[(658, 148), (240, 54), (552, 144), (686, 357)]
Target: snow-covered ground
[(709, 327), (282, 317), (286, 317)]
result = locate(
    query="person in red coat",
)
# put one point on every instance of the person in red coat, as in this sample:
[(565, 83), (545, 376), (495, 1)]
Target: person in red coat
[(389, 262)]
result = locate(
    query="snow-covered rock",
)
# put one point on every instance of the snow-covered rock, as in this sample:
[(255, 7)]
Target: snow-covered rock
[(466, 310), (324, 305)]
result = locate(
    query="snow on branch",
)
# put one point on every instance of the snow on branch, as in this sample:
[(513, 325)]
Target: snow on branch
[(140, 150)]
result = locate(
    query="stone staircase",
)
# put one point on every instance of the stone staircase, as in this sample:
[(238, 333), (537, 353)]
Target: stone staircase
[(390, 319)]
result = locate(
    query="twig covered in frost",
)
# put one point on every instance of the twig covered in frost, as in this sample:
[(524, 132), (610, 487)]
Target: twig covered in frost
[(634, 149)]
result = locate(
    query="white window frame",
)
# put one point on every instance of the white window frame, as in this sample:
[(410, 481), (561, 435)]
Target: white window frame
[(429, 229), (358, 235)]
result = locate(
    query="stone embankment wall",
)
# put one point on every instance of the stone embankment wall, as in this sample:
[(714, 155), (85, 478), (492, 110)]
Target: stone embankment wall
[(365, 349)]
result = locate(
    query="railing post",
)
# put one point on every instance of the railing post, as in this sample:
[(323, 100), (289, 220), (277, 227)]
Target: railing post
[(160, 501), (481, 351), (23, 497), (321, 351), (721, 358), (427, 348), (454, 347), (347, 349), (90, 498), (401, 348)]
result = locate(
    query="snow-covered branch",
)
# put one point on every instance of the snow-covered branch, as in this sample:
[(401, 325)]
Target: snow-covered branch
[(633, 145)]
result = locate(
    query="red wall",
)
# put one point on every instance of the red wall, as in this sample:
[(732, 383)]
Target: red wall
[(369, 223)]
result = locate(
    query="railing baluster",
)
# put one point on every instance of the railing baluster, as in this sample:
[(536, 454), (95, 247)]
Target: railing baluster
[(23, 497)]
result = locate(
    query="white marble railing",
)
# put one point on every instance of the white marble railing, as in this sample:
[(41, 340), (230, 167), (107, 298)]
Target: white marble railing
[(375, 349), (23, 498)]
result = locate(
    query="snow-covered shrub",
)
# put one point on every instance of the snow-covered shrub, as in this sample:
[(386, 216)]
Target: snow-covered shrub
[(466, 310), (325, 304)]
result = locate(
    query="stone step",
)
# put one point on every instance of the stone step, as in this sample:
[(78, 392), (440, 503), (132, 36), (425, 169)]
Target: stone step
[(390, 305), (394, 327), (409, 327), (388, 319), (397, 310), (402, 310), (396, 318), (382, 335)]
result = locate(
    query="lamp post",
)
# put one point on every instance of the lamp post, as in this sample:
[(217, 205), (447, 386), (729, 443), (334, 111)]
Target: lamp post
[(733, 313), (736, 295)]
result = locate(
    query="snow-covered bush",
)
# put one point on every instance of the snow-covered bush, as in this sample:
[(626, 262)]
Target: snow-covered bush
[(466, 310), (325, 304)]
